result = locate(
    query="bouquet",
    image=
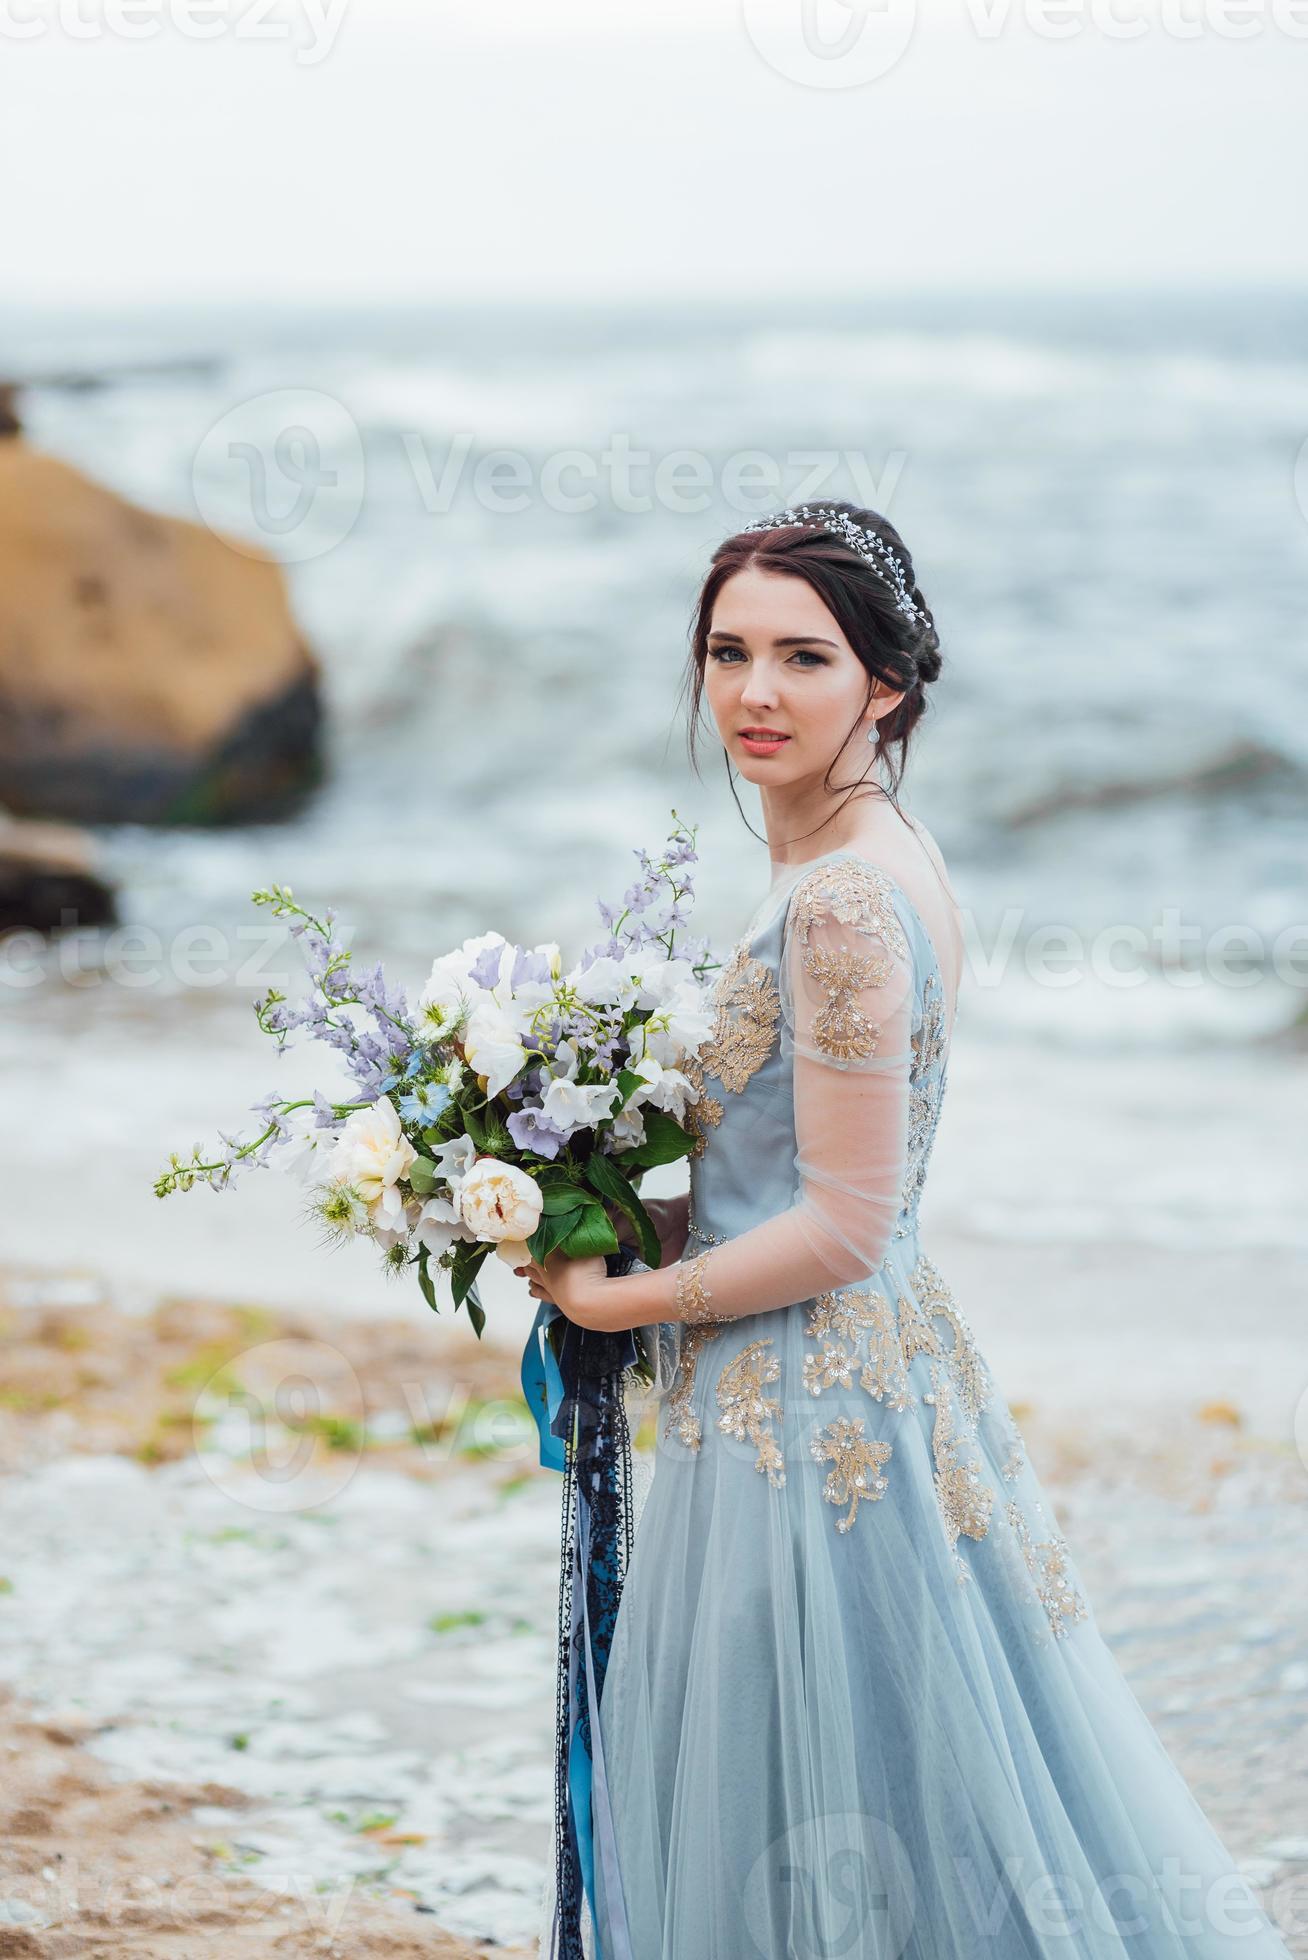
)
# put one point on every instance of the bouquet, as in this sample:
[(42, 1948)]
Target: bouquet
[(513, 1111)]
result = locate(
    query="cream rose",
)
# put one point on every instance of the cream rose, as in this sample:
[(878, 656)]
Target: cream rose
[(499, 1201), (372, 1154)]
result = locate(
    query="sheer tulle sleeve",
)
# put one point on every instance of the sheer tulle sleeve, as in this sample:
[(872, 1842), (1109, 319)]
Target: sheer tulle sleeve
[(847, 1000)]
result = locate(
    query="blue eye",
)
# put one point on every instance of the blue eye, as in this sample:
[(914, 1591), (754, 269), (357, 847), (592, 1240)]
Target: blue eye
[(819, 659), (725, 653)]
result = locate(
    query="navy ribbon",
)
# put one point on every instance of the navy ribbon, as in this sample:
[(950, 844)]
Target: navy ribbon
[(572, 1379)]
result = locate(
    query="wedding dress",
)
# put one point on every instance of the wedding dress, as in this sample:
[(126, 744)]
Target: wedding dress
[(855, 1702)]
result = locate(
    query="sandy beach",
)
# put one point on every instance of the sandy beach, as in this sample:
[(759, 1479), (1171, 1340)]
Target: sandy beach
[(277, 1598)]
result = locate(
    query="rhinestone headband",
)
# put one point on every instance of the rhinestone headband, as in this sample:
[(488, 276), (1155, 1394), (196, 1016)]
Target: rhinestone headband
[(872, 549)]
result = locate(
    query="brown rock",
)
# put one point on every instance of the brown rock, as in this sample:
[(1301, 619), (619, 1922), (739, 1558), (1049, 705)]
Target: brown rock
[(150, 672), (48, 878)]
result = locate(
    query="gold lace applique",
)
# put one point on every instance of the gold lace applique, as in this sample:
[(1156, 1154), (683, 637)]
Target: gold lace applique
[(690, 1292), (965, 1501), (682, 1419), (840, 1028), (835, 1319), (885, 1374), (747, 1008), (854, 894), (925, 1320), (1047, 1561), (975, 1387), (925, 1090), (857, 895), (747, 1411), (856, 1462)]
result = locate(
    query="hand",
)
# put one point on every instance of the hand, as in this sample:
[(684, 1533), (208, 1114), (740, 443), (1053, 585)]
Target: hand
[(576, 1287)]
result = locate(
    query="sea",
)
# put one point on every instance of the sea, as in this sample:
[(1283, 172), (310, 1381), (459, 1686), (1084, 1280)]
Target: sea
[(493, 521)]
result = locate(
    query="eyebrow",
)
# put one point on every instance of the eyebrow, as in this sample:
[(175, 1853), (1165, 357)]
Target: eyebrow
[(793, 640)]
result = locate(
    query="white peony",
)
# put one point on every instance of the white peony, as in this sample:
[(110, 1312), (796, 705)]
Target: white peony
[(371, 1155), (499, 1201)]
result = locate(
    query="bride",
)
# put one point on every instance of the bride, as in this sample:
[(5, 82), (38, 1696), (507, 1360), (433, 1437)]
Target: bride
[(843, 1693)]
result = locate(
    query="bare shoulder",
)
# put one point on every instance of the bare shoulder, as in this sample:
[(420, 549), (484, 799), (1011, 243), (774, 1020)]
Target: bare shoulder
[(934, 852)]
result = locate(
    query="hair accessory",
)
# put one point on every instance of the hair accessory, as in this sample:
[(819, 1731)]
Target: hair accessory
[(870, 547)]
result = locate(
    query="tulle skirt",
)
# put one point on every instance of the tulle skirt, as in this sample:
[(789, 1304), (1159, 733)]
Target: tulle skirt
[(857, 1705)]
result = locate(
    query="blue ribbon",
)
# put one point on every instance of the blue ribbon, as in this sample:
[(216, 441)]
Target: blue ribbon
[(569, 1417)]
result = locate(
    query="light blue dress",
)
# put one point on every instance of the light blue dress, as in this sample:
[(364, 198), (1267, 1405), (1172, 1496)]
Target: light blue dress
[(856, 1703)]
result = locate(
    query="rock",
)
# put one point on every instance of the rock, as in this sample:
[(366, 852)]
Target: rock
[(150, 671), (49, 880)]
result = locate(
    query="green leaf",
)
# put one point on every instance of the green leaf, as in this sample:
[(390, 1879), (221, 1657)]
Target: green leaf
[(552, 1230), (665, 1142), (474, 1123), (561, 1197), (476, 1312), (591, 1236), (422, 1175), (605, 1177), (424, 1281), (467, 1260), (628, 1082)]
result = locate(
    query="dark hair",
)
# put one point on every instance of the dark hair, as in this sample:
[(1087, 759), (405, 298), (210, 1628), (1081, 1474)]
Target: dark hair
[(901, 652)]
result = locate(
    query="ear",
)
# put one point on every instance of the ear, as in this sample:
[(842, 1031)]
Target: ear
[(880, 705)]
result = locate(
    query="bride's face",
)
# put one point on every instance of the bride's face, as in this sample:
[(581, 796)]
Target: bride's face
[(783, 683)]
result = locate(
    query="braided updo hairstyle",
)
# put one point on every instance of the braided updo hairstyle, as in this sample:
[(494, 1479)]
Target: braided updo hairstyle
[(900, 652)]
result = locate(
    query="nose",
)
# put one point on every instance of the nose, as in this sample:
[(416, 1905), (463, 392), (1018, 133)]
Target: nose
[(760, 689)]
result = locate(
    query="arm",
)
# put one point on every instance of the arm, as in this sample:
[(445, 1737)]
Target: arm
[(847, 994)]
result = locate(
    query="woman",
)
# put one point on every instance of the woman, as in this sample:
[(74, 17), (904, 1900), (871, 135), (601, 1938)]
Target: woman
[(855, 1703)]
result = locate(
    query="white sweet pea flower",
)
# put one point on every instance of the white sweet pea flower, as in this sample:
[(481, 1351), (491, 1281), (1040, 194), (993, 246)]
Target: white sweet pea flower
[(493, 1047), (605, 981), (442, 1003), (666, 1088), (660, 980), (466, 957), (677, 1030)]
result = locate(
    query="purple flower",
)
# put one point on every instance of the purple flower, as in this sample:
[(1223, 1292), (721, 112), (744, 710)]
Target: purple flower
[(531, 1130), (485, 969), (529, 966)]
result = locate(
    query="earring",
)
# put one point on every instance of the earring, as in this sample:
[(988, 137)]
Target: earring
[(873, 732)]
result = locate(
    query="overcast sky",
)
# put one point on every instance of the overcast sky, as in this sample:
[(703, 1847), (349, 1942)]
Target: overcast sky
[(338, 149)]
